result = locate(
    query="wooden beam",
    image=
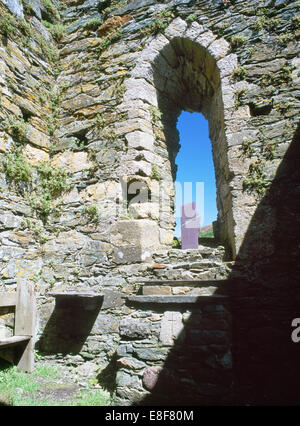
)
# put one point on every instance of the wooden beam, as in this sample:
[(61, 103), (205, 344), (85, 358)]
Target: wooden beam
[(13, 340), (25, 322), (8, 299)]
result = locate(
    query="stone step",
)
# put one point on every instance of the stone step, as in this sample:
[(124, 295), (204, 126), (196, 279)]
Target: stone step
[(177, 299), (183, 287), (199, 264), (178, 257), (193, 271)]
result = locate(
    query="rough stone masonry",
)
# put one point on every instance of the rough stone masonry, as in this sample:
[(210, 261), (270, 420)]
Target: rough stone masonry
[(90, 92)]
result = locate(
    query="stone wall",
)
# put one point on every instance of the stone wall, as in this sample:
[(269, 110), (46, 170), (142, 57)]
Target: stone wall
[(90, 93), (170, 355)]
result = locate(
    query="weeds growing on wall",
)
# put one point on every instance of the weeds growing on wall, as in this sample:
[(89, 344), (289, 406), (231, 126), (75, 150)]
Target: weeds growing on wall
[(91, 212), (17, 168), (17, 127), (43, 182), (159, 24), (256, 180)]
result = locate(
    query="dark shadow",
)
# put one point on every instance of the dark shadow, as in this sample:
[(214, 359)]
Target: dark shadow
[(264, 298), (107, 377), (197, 370), (69, 325), (266, 360)]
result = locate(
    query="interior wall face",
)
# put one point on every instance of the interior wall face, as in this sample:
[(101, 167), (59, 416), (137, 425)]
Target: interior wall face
[(88, 125)]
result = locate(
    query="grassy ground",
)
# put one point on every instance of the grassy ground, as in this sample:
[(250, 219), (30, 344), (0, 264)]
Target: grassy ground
[(208, 233), (46, 386)]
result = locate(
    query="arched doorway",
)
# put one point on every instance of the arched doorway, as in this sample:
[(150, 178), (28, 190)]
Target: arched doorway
[(188, 69), (186, 78)]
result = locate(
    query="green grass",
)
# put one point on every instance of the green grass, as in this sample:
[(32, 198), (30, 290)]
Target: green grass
[(209, 233), (43, 387)]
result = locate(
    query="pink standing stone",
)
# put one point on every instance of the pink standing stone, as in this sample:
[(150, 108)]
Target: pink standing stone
[(190, 225)]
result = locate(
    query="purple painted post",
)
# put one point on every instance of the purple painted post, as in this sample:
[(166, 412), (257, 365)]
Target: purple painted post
[(190, 225)]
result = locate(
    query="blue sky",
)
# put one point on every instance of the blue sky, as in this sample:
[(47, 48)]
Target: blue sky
[(195, 164)]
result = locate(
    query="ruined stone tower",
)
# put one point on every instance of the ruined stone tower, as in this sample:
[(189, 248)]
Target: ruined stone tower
[(90, 92)]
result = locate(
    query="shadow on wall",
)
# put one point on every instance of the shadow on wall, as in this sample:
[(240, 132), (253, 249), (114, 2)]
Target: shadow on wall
[(69, 325), (264, 299)]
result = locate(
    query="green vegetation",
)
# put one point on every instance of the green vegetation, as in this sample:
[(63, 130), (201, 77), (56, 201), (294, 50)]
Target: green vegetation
[(54, 99), (296, 22), (246, 148), (160, 23), (237, 41), (17, 168), (108, 40), (239, 73), (49, 49), (284, 39), (92, 25), (45, 183), (191, 18), (156, 114), (176, 243), (221, 28), (240, 95), (256, 180), (91, 212), (155, 173), (57, 31), (51, 8), (11, 26), (108, 6), (265, 21), (7, 23), (99, 121), (52, 183), (250, 51), (284, 76), (17, 127), (45, 387), (208, 233)]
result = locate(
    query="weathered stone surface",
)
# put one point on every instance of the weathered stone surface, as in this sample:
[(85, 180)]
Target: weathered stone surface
[(35, 155), (37, 138), (130, 363), (151, 376), (140, 140), (227, 64), (141, 235), (101, 191), (138, 88), (72, 161), (171, 327), (131, 328), (16, 7), (150, 354)]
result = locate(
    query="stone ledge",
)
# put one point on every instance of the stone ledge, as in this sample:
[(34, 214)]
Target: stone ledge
[(195, 282), (75, 294), (174, 299)]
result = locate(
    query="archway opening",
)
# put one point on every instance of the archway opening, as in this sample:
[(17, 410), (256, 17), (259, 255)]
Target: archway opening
[(195, 176), (187, 78)]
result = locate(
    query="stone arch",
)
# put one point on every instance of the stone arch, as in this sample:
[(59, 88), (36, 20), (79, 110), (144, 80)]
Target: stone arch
[(189, 68)]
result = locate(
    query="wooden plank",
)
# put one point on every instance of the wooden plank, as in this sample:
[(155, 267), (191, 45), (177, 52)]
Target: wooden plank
[(8, 299), (13, 340), (25, 322)]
